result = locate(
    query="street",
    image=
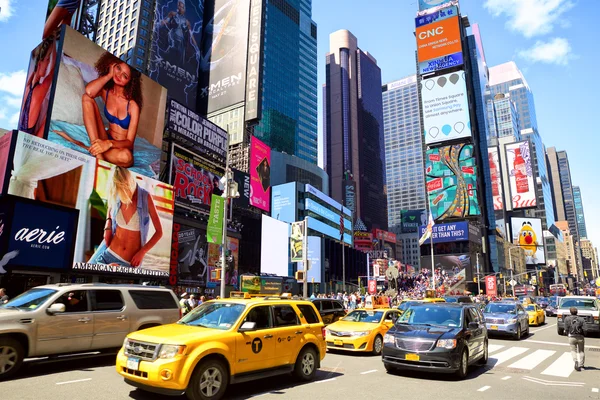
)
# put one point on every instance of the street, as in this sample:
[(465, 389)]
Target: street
[(539, 367)]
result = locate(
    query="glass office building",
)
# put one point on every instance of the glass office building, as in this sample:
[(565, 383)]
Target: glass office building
[(579, 215)]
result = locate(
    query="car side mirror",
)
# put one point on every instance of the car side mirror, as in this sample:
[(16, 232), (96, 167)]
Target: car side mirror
[(247, 327), (56, 308), (473, 325)]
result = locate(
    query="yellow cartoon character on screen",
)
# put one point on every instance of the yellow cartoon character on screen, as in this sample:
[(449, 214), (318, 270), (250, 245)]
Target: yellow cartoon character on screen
[(528, 239)]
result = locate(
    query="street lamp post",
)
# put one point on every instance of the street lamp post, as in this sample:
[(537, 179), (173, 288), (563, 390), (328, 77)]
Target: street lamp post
[(510, 249)]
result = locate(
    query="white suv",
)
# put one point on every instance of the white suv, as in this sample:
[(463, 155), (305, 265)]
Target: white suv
[(587, 307), (67, 318)]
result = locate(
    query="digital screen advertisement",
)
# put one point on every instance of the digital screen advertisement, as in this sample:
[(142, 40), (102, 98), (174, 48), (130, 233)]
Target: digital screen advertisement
[(496, 177), (451, 180), (322, 211), (314, 256), (427, 4), (520, 175), (283, 202), (445, 108), (450, 263), (260, 174), (438, 39), (192, 255), (527, 233), (412, 220), (443, 233), (214, 255)]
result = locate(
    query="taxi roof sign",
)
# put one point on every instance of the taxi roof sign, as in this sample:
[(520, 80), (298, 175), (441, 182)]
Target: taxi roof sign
[(239, 295)]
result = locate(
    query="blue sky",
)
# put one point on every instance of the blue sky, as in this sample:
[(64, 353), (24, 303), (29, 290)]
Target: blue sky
[(552, 41)]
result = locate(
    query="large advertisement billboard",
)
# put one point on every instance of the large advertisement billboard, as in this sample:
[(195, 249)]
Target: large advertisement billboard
[(260, 174), (5, 142), (107, 109), (431, 36), (314, 256), (451, 179), (255, 59), (284, 203), (214, 255), (445, 108), (496, 177), (411, 220), (527, 233), (80, 14), (520, 175), (450, 263), (274, 247), (175, 48), (191, 255), (444, 233), (194, 180), (427, 4), (223, 51)]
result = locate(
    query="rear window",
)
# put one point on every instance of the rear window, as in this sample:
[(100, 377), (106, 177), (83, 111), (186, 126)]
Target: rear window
[(309, 313), (153, 299)]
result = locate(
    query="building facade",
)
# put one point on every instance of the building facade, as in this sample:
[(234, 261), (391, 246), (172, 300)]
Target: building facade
[(556, 185), (354, 139), (579, 214), (287, 168), (404, 164)]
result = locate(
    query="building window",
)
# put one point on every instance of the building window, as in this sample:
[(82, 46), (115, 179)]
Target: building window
[(142, 42), (139, 62)]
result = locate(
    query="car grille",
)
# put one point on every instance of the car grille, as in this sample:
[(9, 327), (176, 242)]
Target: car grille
[(414, 344), (142, 350), (140, 374), (494, 320), (340, 334)]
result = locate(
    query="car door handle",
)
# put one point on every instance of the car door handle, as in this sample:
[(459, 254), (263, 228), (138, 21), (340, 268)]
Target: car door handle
[(268, 336), (122, 317), (84, 320), (298, 332)]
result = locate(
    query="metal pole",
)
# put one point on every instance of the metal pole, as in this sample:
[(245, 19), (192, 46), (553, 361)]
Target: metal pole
[(224, 236), (368, 268), (511, 281), (305, 258), (478, 277), (343, 266), (432, 262)]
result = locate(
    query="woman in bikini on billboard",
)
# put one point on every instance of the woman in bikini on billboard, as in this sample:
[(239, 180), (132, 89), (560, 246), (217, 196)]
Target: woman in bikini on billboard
[(61, 14), (120, 87)]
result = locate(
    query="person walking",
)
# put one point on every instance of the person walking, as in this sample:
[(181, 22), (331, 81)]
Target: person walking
[(574, 328), (3, 296), (184, 304)]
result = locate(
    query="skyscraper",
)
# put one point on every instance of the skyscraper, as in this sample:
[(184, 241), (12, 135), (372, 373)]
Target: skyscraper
[(579, 215), (555, 183), (353, 113), (404, 166)]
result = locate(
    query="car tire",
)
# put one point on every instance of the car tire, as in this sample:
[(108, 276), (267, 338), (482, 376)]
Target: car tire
[(215, 373), (377, 345), (306, 364), (527, 331), (484, 360), (390, 369), (11, 357), (518, 334), (560, 331), (463, 367)]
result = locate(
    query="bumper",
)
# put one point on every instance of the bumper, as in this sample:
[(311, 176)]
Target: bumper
[(532, 320), (587, 328), (501, 329), (438, 360), (147, 376), (364, 343)]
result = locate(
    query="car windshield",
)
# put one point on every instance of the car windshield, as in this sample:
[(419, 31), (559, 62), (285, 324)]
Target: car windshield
[(214, 315), (404, 306), (431, 315), (530, 308), (30, 300), (500, 308), (364, 316), (589, 304)]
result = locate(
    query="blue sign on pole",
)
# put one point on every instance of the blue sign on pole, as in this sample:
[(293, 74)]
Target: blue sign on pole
[(283, 202), (444, 233)]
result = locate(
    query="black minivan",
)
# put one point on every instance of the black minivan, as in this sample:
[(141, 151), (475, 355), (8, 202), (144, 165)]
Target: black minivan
[(331, 310)]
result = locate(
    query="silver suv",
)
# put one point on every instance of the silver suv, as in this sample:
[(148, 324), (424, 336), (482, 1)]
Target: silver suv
[(67, 318), (587, 307)]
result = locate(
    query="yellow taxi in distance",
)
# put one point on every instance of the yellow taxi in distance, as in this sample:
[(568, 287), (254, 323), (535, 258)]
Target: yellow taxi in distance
[(223, 342), (404, 304), (361, 330), (537, 316)]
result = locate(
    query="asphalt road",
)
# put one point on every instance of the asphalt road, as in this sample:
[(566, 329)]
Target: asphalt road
[(538, 367)]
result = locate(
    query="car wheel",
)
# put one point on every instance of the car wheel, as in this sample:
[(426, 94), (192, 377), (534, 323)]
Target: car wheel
[(390, 369), (518, 335), (306, 364), (527, 331), (463, 368), (11, 357), (560, 331), (209, 381), (483, 360), (377, 345)]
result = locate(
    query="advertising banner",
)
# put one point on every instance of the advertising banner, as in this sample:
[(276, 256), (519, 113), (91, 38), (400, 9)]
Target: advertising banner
[(428, 4), (175, 48), (527, 233), (384, 235), (328, 230), (363, 240), (443, 233), (372, 286), (223, 53), (445, 108), (214, 255), (120, 119), (322, 211), (260, 174), (80, 14), (314, 256), (130, 226), (297, 241), (192, 255), (450, 263), (320, 195), (254, 67), (490, 286), (424, 23), (520, 171), (5, 142), (496, 178), (261, 284), (350, 195), (284, 202), (438, 39), (197, 133), (193, 179), (243, 181), (412, 219), (451, 179), (274, 247), (214, 231)]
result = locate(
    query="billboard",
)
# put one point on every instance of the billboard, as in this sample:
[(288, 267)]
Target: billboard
[(384, 235), (223, 52), (423, 24), (255, 59), (411, 220), (107, 109), (174, 50), (284, 203), (80, 14), (274, 247), (196, 133), (427, 4), (243, 181), (5, 142), (440, 38), (451, 179), (260, 174), (130, 226), (327, 229), (191, 255), (496, 178), (327, 213), (520, 175), (194, 180), (444, 233), (527, 233), (445, 108), (491, 288), (214, 255), (450, 263), (314, 256), (297, 241)]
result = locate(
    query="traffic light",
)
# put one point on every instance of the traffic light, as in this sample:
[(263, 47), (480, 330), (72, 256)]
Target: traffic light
[(475, 279), (218, 274), (500, 276), (526, 276)]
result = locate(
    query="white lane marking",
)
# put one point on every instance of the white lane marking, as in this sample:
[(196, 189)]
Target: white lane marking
[(326, 380), (78, 380), (506, 355), (541, 329), (494, 347), (506, 378), (483, 389), (368, 372), (532, 360), (595, 390), (562, 367), (553, 383), (557, 343)]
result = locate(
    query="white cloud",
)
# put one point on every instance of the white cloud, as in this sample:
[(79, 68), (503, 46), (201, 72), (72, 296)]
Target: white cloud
[(556, 51), (13, 82), (6, 10), (11, 101), (531, 17), (14, 120)]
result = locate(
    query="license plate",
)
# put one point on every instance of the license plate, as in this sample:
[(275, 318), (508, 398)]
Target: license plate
[(412, 357), (338, 343), (494, 327), (133, 363)]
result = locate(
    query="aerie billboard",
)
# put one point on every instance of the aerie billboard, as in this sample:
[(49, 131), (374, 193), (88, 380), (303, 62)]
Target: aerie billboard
[(438, 39)]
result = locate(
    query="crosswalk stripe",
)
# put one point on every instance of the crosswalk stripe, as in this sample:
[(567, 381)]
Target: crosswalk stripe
[(494, 347), (532, 360), (506, 355), (562, 367)]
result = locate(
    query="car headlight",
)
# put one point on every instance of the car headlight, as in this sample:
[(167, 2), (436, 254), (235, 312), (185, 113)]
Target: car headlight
[(125, 343), (446, 343), (327, 332), (170, 350), (387, 338), (512, 321), (360, 334)]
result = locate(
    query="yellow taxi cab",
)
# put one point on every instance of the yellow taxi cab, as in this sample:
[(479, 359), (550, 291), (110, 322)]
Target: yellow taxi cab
[(224, 342), (362, 329), (430, 297), (537, 316)]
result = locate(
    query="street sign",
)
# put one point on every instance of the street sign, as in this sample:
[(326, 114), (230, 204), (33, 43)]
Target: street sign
[(512, 282)]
